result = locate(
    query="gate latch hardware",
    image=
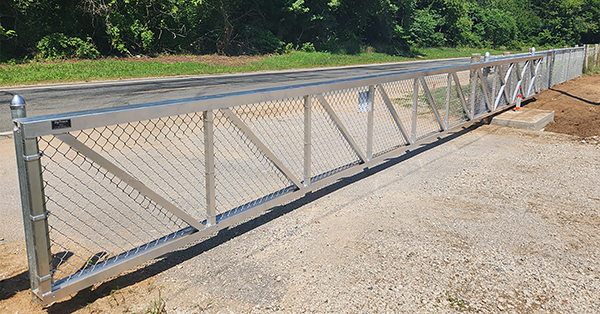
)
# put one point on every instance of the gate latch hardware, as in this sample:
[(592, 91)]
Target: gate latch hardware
[(40, 217), (45, 278), (33, 157)]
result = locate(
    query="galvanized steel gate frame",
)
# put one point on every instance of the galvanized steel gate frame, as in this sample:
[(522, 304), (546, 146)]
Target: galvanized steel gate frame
[(528, 74)]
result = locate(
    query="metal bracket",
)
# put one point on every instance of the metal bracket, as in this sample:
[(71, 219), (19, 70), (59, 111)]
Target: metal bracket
[(41, 216), (33, 157), (45, 278)]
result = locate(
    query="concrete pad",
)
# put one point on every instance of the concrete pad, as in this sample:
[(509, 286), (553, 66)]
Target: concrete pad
[(526, 119)]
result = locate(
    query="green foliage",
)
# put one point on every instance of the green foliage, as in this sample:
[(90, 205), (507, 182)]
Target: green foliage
[(7, 34), (425, 29), (234, 27), (58, 46), (495, 27), (308, 47)]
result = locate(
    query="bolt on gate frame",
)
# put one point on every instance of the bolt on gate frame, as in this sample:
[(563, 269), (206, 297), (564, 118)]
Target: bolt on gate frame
[(105, 190)]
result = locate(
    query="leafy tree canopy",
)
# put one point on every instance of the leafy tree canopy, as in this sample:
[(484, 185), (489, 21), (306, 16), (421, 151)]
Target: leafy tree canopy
[(91, 28)]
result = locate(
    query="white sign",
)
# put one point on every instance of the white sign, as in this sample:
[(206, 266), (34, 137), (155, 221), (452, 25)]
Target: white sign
[(364, 105)]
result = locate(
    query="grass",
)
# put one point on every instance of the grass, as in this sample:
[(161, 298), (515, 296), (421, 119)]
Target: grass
[(445, 52), (158, 306), (110, 69)]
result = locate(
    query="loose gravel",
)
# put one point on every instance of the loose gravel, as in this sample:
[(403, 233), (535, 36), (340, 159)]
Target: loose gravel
[(494, 221)]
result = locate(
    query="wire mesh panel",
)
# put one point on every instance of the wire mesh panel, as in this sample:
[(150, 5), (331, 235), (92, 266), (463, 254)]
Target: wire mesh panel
[(352, 107), (400, 95), (331, 153), (423, 110), (244, 176), (279, 125), (455, 113), (543, 74), (437, 85), (387, 133), (98, 217), (482, 89), (160, 175), (576, 64), (561, 66)]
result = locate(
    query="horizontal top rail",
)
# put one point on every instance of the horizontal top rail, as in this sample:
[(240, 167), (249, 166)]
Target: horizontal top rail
[(32, 127), (537, 53)]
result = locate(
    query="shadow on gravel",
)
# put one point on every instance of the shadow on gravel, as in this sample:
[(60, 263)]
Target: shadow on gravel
[(169, 260), (10, 286)]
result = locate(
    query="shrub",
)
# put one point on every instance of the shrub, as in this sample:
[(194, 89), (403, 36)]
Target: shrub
[(308, 47), (58, 45)]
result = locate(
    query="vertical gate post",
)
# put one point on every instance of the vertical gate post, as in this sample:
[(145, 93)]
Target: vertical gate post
[(370, 119), (448, 95), (475, 57), (209, 168), (586, 50), (307, 139), (35, 216), (413, 132)]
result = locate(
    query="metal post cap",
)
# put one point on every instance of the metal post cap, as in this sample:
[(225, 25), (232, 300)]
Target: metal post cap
[(17, 102)]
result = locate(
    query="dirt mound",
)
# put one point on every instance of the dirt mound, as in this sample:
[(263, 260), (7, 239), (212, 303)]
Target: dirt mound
[(576, 106)]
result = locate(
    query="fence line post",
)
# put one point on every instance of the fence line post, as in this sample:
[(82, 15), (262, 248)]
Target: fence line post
[(585, 58), (595, 55), (33, 202), (566, 67), (550, 65)]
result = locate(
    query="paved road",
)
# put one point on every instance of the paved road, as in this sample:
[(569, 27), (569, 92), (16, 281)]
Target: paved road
[(56, 98)]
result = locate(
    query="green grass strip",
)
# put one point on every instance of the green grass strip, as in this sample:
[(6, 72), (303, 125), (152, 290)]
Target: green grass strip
[(112, 69)]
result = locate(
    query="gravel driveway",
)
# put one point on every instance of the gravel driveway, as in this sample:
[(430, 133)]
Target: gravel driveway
[(496, 220)]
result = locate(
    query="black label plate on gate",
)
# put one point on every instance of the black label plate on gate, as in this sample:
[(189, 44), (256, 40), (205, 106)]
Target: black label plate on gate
[(61, 124)]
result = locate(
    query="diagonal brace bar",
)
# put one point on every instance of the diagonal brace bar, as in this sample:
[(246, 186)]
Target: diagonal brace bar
[(503, 90), (461, 95), (484, 87), (341, 127), (393, 112), (432, 103), (520, 75), (534, 79), (261, 146), (128, 179)]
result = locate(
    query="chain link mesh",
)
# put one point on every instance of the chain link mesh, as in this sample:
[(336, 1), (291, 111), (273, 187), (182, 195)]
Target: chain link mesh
[(351, 107), (280, 126), (456, 112), (244, 177), (386, 134), (331, 153), (95, 215)]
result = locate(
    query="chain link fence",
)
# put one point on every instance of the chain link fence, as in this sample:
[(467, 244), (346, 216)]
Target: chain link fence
[(106, 190)]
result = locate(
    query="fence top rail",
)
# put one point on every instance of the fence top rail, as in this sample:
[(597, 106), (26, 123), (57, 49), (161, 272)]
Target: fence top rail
[(537, 53), (37, 126)]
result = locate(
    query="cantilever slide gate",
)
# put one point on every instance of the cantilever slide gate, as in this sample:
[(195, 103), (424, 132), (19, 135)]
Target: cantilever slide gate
[(105, 190)]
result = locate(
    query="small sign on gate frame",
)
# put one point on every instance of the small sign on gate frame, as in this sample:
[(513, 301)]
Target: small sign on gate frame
[(364, 104)]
